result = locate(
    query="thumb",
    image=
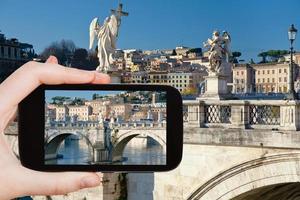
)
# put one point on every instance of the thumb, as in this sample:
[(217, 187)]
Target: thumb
[(41, 183)]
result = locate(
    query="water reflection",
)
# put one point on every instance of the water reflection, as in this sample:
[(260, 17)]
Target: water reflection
[(78, 152)]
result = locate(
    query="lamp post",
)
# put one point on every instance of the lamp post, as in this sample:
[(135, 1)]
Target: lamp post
[(292, 32)]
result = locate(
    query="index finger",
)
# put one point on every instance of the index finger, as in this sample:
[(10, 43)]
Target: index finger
[(27, 78)]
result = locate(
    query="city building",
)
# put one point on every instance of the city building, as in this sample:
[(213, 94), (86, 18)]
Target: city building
[(185, 80), (138, 115), (262, 78), (122, 111), (296, 58), (139, 77), (158, 77), (96, 105), (194, 53), (271, 77), (243, 78), (81, 111), (104, 110), (126, 77), (182, 51), (62, 113), (13, 54), (136, 68), (50, 111), (133, 57)]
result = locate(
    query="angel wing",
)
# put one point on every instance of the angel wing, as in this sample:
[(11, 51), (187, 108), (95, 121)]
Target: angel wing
[(113, 25), (94, 27)]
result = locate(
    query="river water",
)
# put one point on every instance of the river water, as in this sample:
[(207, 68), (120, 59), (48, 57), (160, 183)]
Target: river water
[(77, 152)]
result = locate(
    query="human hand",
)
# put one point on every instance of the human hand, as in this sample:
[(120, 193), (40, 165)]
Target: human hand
[(16, 180)]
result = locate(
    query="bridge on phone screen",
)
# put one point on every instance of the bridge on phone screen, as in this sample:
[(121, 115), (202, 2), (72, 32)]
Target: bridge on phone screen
[(120, 135)]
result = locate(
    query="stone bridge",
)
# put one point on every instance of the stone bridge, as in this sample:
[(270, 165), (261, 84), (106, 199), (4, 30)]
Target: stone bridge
[(232, 150), (94, 135), (240, 150)]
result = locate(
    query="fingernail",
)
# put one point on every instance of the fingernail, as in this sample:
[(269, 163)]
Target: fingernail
[(90, 181)]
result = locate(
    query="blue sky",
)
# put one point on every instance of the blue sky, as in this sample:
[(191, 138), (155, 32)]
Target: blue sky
[(255, 25)]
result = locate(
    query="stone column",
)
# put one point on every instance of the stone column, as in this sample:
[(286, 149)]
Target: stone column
[(290, 116), (195, 113), (239, 115)]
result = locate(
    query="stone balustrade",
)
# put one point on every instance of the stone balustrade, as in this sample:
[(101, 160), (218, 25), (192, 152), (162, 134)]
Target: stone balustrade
[(245, 114), (125, 125)]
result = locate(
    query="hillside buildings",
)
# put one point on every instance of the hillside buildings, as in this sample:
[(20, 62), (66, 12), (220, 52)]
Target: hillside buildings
[(136, 108), (182, 67)]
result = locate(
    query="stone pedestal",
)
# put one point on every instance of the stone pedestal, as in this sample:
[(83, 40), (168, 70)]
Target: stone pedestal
[(215, 88), (101, 154), (114, 76)]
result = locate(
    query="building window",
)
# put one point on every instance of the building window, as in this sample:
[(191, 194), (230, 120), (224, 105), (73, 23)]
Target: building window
[(242, 72), (285, 79), (273, 71), (263, 72), (279, 79), (263, 80), (258, 80), (273, 80), (2, 51), (268, 71), (268, 80), (237, 73), (258, 72), (279, 71), (9, 52)]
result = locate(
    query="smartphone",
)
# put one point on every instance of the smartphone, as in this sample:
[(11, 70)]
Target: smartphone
[(116, 127)]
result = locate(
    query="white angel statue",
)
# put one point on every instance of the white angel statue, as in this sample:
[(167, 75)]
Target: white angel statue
[(107, 35), (219, 51)]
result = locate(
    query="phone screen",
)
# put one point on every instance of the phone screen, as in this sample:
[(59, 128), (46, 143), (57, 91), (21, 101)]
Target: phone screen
[(92, 127)]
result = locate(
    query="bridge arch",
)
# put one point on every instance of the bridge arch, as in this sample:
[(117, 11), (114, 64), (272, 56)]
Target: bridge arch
[(125, 138), (53, 142), (279, 170)]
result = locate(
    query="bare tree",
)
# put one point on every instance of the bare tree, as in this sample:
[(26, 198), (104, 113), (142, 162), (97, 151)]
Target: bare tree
[(63, 50)]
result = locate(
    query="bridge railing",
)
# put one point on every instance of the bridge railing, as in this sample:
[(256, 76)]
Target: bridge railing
[(250, 114), (140, 125), (119, 125)]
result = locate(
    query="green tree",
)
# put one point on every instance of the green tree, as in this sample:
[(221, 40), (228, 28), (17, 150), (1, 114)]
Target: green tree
[(95, 96), (274, 55), (59, 100), (189, 91), (263, 55), (251, 61), (77, 101), (235, 56)]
